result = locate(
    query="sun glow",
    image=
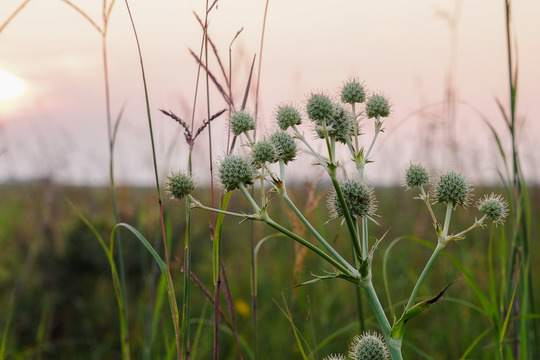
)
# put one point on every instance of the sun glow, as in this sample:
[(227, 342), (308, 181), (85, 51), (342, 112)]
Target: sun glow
[(10, 86)]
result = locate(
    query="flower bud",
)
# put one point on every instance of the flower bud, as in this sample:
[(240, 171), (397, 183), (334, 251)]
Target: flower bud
[(319, 108), (287, 116), (359, 198), (241, 121), (340, 124), (353, 92), (264, 152), (377, 105), (494, 207), (452, 188), (179, 185), (335, 357), (235, 170), (285, 146), (416, 175), (369, 346)]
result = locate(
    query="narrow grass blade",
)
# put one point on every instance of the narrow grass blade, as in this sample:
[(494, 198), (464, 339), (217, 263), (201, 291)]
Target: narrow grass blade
[(216, 250), (474, 343), (246, 93), (299, 338), (5, 333), (507, 318)]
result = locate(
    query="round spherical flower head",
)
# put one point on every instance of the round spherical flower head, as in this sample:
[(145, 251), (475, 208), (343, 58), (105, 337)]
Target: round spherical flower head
[(416, 175), (452, 188), (358, 196), (377, 105), (494, 207), (353, 92), (335, 357), (285, 146), (287, 116), (241, 121), (264, 152), (369, 346), (235, 170), (319, 108), (179, 185), (340, 124)]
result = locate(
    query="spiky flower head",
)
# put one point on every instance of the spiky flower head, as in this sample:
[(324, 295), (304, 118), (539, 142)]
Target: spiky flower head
[(319, 107), (452, 188), (179, 185), (287, 116), (264, 152), (377, 105), (335, 357), (235, 170), (285, 146), (340, 124), (494, 207), (241, 121), (359, 198), (353, 92), (416, 175), (369, 346)]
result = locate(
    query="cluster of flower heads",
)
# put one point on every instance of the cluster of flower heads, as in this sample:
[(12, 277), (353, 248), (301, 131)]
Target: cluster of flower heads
[(369, 346), (453, 188)]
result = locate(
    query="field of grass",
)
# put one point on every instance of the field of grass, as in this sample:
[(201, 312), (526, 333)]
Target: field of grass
[(58, 301)]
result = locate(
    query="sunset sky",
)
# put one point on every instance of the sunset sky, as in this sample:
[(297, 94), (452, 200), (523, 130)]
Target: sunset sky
[(52, 98)]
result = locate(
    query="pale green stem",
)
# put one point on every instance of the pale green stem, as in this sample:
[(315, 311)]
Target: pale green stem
[(365, 236), (197, 204), (440, 246), (378, 125), (315, 233), (424, 196), (303, 139), (355, 126), (249, 198), (449, 207), (477, 223)]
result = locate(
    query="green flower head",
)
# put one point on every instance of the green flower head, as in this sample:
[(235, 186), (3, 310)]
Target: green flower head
[(287, 116), (264, 151), (359, 198), (241, 121), (235, 170), (377, 106), (340, 124), (494, 207), (452, 188), (416, 175), (319, 108), (285, 145), (353, 92), (369, 346), (335, 357), (179, 185)]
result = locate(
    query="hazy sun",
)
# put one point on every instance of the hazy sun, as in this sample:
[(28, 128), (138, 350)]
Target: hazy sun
[(10, 86)]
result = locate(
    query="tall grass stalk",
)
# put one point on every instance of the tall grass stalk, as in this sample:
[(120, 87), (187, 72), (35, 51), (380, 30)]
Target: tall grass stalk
[(172, 299)]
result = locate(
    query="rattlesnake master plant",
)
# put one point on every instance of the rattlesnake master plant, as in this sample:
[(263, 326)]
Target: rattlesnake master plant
[(350, 198)]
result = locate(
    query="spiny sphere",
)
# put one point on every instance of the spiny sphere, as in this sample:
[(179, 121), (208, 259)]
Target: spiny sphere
[(287, 116), (335, 357), (377, 105), (359, 199), (369, 346), (353, 92), (319, 108), (235, 170), (285, 146), (494, 207), (339, 124), (241, 121), (416, 175), (179, 185), (264, 152), (452, 188)]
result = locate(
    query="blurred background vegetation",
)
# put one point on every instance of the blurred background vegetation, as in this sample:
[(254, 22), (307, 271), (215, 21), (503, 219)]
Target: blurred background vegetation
[(57, 299)]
